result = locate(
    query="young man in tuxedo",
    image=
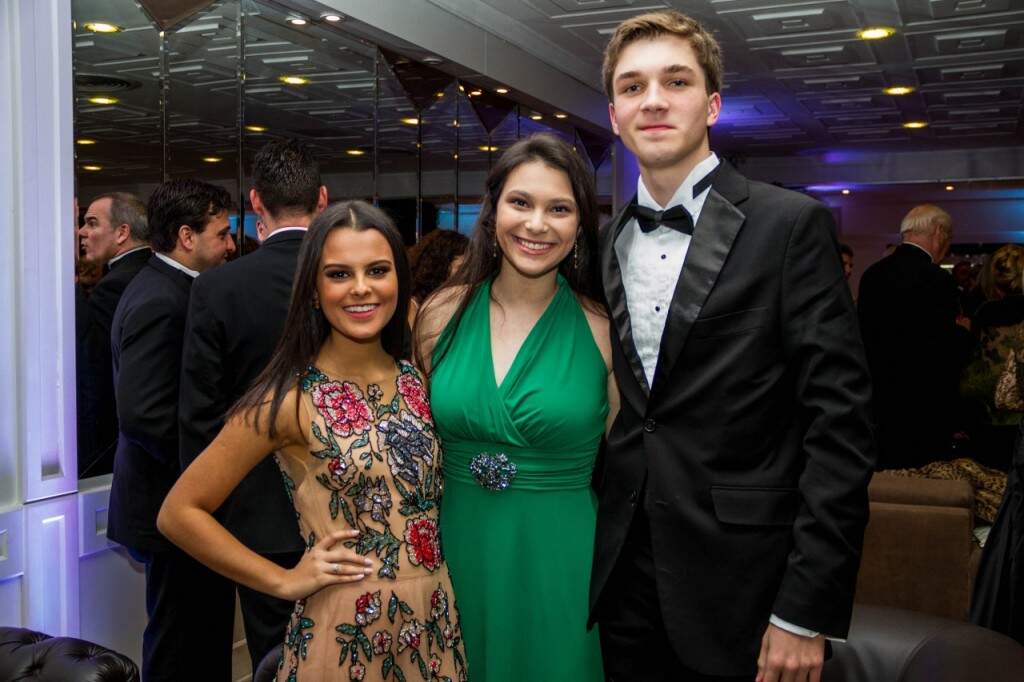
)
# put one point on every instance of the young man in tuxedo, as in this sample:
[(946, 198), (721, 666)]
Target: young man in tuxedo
[(734, 500), (115, 236), (235, 318), (189, 233)]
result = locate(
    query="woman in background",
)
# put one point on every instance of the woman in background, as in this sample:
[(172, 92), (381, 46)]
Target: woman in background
[(433, 260), (518, 351), (352, 431), (998, 328)]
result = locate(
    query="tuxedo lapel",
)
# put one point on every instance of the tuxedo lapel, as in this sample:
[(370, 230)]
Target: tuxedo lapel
[(615, 294), (720, 221)]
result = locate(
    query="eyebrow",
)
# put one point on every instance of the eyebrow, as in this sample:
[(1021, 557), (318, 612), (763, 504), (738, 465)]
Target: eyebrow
[(526, 194), (670, 69), (369, 265)]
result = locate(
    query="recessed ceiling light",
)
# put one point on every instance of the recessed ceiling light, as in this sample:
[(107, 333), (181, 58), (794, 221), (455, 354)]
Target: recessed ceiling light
[(913, 125), (561, 115), (212, 159), (103, 100), (85, 140), (411, 121), (432, 59), (455, 155), (487, 148), (354, 152), (294, 80), (101, 27), (950, 188), (253, 128), (846, 191), (477, 93), (876, 33), (536, 117), (899, 90), (333, 18), (297, 21), (92, 167), (501, 91), (439, 94)]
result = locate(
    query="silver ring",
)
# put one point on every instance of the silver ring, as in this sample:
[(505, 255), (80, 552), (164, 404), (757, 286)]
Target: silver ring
[(336, 569)]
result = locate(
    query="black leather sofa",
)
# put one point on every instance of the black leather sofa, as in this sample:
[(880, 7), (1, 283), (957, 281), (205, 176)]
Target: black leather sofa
[(889, 645), (28, 655)]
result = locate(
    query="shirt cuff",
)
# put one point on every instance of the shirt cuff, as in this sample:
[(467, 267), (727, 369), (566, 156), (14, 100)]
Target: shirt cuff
[(797, 630)]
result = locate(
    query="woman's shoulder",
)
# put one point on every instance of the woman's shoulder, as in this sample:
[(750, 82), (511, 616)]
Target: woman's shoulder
[(435, 312)]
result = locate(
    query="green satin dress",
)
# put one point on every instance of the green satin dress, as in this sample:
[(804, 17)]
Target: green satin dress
[(518, 516)]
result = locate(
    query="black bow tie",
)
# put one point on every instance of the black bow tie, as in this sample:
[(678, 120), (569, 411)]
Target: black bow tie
[(675, 218)]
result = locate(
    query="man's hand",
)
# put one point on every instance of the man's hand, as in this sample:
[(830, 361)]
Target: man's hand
[(786, 657)]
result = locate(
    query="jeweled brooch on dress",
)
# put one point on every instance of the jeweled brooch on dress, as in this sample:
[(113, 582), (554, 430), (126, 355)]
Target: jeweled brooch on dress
[(493, 471)]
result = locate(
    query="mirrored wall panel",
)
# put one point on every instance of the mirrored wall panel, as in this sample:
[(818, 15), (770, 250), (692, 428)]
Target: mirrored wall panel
[(192, 89)]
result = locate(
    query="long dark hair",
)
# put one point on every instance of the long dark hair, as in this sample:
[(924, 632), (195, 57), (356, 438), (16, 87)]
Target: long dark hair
[(483, 260), (432, 259), (306, 328)]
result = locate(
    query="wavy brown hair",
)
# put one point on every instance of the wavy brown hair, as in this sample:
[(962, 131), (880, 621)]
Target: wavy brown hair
[(306, 328), (432, 259), (483, 259)]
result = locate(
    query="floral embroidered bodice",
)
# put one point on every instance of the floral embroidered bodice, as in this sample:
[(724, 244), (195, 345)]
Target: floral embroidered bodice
[(373, 465)]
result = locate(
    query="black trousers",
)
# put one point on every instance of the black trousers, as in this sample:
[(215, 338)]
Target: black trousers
[(184, 602), (634, 644), (266, 617)]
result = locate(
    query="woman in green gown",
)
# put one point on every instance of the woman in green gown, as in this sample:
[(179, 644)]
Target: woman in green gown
[(518, 352)]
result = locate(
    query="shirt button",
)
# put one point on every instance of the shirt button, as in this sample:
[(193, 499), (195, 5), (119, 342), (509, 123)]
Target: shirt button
[(657, 308), (650, 425), (663, 256)]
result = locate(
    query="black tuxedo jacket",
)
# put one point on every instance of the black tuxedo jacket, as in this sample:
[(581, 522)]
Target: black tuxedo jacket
[(235, 319), (908, 308), (145, 340), (97, 411), (752, 451)]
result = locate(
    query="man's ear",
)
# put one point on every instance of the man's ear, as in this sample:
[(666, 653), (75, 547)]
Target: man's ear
[(257, 203), (187, 238), (122, 233), (321, 200), (714, 108), (611, 117)]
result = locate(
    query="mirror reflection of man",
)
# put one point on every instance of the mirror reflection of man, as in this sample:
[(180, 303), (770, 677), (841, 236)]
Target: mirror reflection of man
[(235, 318), (189, 233), (114, 236)]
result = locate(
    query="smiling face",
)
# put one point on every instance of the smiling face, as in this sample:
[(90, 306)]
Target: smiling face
[(357, 286), (537, 219), (661, 108), (214, 245)]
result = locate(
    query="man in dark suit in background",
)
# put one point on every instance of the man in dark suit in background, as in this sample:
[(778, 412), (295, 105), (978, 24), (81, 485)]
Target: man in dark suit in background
[(235, 318), (190, 233), (115, 236), (734, 493), (909, 319)]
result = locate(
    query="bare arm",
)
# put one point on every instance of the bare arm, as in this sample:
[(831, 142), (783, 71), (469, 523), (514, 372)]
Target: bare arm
[(186, 517)]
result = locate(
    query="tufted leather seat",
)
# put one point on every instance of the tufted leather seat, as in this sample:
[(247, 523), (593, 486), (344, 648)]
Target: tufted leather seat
[(32, 656), (892, 645)]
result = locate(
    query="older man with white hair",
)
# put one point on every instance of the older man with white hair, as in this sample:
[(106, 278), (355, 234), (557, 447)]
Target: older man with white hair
[(915, 348)]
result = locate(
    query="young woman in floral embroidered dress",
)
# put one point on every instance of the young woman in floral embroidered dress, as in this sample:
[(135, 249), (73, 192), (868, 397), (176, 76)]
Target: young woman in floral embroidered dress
[(353, 434)]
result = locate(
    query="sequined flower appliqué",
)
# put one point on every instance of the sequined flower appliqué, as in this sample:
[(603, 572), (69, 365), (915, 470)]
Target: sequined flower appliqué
[(343, 407)]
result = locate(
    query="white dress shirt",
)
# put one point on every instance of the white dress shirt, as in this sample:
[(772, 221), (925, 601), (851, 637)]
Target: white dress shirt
[(651, 263), (176, 265)]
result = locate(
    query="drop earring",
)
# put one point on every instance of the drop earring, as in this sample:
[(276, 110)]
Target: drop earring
[(576, 255), (494, 246)]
